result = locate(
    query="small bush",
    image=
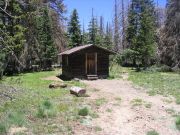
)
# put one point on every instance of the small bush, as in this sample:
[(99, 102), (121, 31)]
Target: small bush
[(178, 122), (153, 132), (46, 109), (47, 104), (3, 128), (83, 112), (159, 68)]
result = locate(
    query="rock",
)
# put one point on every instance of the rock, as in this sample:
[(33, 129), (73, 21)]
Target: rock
[(78, 91), (57, 85), (76, 79)]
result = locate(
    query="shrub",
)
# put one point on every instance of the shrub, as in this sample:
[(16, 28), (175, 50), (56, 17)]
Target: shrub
[(46, 109), (178, 122), (153, 132), (83, 112), (125, 58), (47, 104), (159, 68)]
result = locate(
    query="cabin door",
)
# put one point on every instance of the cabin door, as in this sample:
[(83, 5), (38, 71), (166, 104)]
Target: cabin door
[(91, 63)]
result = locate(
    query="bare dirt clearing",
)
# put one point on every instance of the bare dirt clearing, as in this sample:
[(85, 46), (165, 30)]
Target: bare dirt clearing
[(128, 110)]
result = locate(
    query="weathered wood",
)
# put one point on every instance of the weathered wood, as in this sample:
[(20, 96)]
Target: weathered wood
[(57, 85), (78, 91), (77, 63)]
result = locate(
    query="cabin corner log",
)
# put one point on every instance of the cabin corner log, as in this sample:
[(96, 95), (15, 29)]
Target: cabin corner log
[(78, 91)]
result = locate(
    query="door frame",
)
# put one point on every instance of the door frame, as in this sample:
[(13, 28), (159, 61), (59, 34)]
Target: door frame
[(86, 62)]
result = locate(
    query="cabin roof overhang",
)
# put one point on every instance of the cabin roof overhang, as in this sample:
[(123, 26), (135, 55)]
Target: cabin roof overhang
[(82, 47)]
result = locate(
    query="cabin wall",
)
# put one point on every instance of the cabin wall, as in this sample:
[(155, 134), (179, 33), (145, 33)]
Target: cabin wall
[(65, 66), (103, 65), (77, 65)]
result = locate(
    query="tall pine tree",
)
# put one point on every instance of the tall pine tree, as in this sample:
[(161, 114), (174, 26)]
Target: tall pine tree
[(93, 30), (47, 49), (74, 30), (141, 31)]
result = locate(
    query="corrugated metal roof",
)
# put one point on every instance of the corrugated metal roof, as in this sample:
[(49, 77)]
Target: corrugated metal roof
[(78, 48)]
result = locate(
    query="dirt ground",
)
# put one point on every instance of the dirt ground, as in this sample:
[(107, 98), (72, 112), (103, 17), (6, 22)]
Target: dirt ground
[(121, 117)]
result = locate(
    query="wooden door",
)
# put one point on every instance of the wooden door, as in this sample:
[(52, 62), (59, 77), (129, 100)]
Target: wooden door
[(91, 63)]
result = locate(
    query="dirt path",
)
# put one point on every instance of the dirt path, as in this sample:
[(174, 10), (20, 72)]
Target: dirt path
[(124, 117)]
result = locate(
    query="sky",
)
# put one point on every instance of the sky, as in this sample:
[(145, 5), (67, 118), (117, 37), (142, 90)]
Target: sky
[(101, 8)]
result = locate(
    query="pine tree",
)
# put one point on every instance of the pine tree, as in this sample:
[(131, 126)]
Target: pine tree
[(12, 36), (47, 51), (141, 31), (74, 31), (108, 42), (84, 36), (93, 29), (170, 46)]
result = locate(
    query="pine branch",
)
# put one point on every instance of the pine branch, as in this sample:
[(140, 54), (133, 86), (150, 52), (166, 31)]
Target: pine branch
[(4, 10)]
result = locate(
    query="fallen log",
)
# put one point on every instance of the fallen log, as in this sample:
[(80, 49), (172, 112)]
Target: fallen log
[(78, 91), (57, 85)]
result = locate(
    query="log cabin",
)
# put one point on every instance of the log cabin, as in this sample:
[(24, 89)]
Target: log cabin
[(86, 62)]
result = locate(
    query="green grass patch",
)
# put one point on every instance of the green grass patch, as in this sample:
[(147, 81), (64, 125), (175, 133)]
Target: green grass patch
[(46, 110), (166, 83), (16, 118), (178, 122), (34, 101), (3, 129), (83, 112), (100, 101), (116, 71), (137, 102), (153, 132)]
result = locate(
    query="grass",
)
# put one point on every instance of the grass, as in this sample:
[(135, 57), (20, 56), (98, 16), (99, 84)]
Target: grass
[(148, 105), (46, 110), (83, 112), (100, 101), (116, 71), (163, 83), (137, 102), (109, 110), (35, 104), (152, 132), (97, 128), (3, 129), (178, 122)]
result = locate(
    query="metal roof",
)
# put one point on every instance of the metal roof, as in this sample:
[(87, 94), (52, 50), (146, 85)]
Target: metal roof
[(78, 48)]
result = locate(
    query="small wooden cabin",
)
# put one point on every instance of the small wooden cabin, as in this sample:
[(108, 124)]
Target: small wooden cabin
[(86, 61)]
